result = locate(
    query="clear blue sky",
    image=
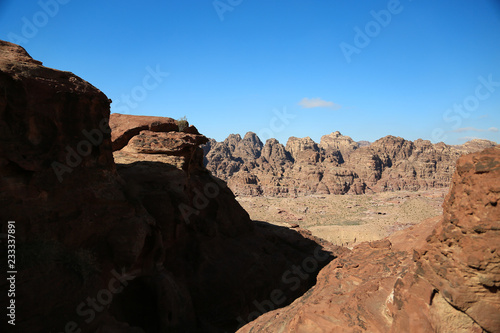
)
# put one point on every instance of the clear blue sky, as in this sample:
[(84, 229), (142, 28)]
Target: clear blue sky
[(235, 65)]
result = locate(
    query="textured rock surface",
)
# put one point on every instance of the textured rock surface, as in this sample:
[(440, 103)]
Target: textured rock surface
[(209, 238), (442, 275), (338, 165), (59, 183), (124, 127), (153, 243), (342, 145), (462, 259)]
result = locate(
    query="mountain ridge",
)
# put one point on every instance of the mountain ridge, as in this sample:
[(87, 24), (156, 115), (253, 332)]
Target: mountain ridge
[(337, 165)]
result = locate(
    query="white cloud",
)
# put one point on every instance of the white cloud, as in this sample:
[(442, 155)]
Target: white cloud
[(309, 103), (468, 138), (467, 129), (473, 129)]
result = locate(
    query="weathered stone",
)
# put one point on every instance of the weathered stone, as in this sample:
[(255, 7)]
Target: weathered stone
[(338, 165), (442, 275), (153, 243)]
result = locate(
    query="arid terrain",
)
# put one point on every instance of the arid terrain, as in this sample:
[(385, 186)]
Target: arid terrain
[(348, 219), (118, 211), (337, 165), (442, 275), (120, 227)]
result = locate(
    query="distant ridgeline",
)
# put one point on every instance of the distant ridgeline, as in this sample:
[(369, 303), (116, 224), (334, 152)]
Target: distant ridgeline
[(337, 165)]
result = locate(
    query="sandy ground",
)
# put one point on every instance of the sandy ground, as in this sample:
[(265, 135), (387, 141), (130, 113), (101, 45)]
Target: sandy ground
[(348, 219)]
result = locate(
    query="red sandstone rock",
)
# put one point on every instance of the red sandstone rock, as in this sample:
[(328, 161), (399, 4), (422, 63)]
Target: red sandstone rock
[(442, 275), (462, 258), (194, 264), (59, 183), (180, 177), (187, 254), (125, 127)]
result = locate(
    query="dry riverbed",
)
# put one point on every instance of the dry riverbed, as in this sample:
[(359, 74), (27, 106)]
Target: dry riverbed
[(348, 219)]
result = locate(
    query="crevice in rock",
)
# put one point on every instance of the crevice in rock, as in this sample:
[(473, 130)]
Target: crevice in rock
[(433, 294)]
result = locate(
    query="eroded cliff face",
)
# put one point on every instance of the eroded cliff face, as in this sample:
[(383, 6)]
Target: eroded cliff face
[(59, 184), (442, 275), (153, 243), (338, 165)]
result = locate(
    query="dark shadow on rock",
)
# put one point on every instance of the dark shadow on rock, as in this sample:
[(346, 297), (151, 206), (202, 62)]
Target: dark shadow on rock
[(228, 267)]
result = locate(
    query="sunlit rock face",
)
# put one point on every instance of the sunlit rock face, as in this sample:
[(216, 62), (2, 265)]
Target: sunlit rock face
[(442, 275), (338, 165)]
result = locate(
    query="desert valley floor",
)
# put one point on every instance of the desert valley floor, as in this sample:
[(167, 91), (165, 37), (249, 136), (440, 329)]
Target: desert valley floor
[(348, 219)]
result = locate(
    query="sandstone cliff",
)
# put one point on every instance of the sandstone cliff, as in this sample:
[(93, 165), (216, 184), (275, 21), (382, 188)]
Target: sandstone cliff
[(440, 276), (338, 165), (153, 243)]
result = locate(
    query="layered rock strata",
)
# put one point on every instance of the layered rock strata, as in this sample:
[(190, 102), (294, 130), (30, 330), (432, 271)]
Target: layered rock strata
[(442, 275), (337, 165)]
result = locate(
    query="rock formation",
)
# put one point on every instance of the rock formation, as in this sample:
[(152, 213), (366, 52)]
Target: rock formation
[(153, 243), (338, 165), (120, 228), (340, 144), (442, 275)]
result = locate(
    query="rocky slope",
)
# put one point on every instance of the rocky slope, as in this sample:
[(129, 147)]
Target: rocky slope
[(440, 276), (153, 243), (337, 165)]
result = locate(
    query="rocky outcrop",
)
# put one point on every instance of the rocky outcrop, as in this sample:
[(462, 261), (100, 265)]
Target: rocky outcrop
[(363, 143), (73, 224), (119, 227), (338, 165), (442, 275), (124, 127), (303, 149), (341, 144), (202, 227), (249, 147), (462, 257), (276, 155), (178, 149)]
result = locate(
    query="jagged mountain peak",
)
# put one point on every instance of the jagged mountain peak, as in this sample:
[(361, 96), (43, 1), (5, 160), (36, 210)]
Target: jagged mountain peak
[(337, 165)]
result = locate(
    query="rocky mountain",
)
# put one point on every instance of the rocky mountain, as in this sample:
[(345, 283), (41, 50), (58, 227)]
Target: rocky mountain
[(442, 275), (337, 165), (118, 225)]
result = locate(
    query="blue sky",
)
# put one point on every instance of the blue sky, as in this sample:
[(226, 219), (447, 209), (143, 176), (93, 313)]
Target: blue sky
[(411, 68)]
